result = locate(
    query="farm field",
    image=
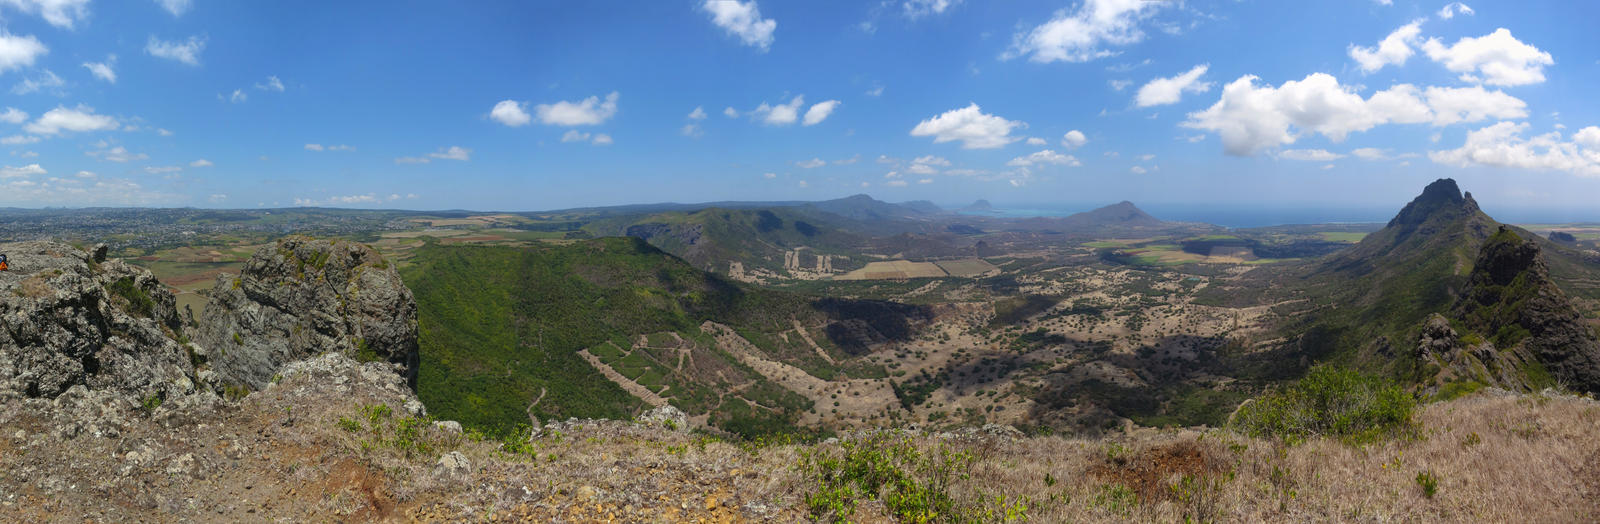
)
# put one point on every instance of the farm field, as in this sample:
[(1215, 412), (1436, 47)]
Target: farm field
[(895, 270), (967, 267)]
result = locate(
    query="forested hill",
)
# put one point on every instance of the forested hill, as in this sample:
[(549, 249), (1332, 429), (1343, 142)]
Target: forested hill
[(502, 329)]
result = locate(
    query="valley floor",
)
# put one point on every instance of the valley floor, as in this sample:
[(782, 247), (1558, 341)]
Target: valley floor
[(334, 440)]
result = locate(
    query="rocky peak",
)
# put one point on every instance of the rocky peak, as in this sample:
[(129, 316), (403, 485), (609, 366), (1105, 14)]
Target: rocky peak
[(301, 297), (69, 317), (1510, 299), (1441, 195)]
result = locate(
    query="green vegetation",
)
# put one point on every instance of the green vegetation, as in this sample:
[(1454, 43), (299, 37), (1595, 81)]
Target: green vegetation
[(137, 302), (502, 326), (1331, 402), (1429, 483), (912, 484)]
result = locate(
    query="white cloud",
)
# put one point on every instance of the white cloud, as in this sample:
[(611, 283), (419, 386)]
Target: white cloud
[(412, 160), (163, 132), (314, 147), (510, 113), (1309, 155), (599, 139), (1452, 9), (1370, 153), (271, 84), (1163, 91), (13, 116), (925, 181), (217, 197), (452, 153), (162, 170), (590, 111), (201, 163), (342, 147), (847, 161), (1501, 145), (895, 183), (1393, 49), (187, 51), (742, 19), (919, 8), (819, 112), (1139, 170), (813, 163), (926, 165), (971, 126), (79, 119), (699, 113), (1472, 104), (730, 112), (691, 130), (1036, 141), (1120, 84), (875, 91), (103, 70), (59, 13), (21, 172), (1498, 57), (46, 79), (17, 140), (1083, 34), (769, 176), (1042, 158), (1074, 139), (238, 96), (781, 114), (1251, 118), (117, 154), (176, 7)]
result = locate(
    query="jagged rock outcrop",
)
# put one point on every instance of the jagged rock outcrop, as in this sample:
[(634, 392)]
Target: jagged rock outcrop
[(301, 297), (70, 318), (1448, 358), (1511, 300)]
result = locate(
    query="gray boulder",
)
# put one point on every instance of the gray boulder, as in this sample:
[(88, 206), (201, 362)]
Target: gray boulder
[(302, 297), (70, 318)]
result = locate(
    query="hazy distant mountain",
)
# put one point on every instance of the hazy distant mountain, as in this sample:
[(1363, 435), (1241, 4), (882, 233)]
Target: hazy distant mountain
[(923, 206), (981, 206), (863, 207)]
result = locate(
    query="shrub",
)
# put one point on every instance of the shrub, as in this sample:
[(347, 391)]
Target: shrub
[(1331, 402), (1429, 483), (139, 303), (912, 485)]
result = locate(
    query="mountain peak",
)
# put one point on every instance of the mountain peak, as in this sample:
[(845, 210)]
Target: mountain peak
[(1441, 195)]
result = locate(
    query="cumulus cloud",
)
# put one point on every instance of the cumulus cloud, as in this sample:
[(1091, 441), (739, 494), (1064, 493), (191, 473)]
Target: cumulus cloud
[(1044, 158), (1074, 139), (17, 52), (176, 7), (103, 70), (1083, 34), (13, 116), (1370, 153), (59, 13), (201, 163), (1452, 9), (1250, 118), (920, 8), (1309, 155), (971, 126), (1163, 91), (187, 51), (1502, 145), (238, 96), (699, 113), (117, 154), (320, 147), (79, 119), (927, 165), (1036, 141), (1394, 49), (742, 19), (813, 163), (272, 83), (17, 140), (779, 115), (46, 79), (590, 111), (599, 139), (730, 112), (450, 153), (819, 112), (511, 113), (20, 172), (1495, 59)]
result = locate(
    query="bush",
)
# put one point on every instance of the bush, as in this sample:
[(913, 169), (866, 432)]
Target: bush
[(1331, 402), (1429, 483), (913, 486)]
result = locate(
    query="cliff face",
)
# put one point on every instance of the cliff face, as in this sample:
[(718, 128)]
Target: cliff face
[(301, 297), (1511, 301), (69, 318)]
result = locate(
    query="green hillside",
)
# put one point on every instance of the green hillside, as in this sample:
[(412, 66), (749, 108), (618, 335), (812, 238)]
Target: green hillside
[(503, 327), (711, 238)]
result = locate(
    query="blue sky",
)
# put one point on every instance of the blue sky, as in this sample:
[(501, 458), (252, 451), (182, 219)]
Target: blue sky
[(540, 105)]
